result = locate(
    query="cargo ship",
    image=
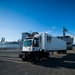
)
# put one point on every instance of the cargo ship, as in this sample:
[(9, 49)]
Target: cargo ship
[(9, 45), (69, 39)]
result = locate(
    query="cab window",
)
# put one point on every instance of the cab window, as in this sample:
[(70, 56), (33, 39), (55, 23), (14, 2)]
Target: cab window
[(36, 43)]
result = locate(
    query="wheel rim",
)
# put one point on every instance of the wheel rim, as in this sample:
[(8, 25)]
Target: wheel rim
[(36, 58)]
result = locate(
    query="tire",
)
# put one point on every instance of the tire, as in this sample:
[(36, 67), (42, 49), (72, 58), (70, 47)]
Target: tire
[(62, 52), (46, 54), (36, 58), (23, 57), (65, 52), (20, 55), (58, 52)]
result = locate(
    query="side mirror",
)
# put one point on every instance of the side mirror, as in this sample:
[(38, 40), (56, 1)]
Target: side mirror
[(34, 41)]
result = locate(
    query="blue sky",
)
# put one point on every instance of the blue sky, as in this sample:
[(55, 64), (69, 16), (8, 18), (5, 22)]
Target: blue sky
[(17, 16)]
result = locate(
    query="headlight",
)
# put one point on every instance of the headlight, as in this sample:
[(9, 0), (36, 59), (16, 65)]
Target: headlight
[(29, 48)]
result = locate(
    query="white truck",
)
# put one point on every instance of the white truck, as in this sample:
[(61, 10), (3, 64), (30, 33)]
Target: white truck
[(40, 45)]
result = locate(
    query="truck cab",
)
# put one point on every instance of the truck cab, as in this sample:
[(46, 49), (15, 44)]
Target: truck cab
[(30, 45), (30, 49)]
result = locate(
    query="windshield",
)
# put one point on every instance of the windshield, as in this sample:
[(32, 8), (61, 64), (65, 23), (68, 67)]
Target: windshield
[(27, 43)]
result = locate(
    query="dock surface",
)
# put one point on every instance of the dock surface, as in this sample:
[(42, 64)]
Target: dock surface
[(57, 64)]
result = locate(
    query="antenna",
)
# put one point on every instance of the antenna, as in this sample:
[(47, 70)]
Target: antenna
[(64, 30)]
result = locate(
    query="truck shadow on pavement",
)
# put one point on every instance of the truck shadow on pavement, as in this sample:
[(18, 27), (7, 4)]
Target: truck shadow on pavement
[(67, 61)]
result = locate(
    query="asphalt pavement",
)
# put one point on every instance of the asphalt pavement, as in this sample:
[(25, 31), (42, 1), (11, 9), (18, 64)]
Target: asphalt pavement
[(57, 64)]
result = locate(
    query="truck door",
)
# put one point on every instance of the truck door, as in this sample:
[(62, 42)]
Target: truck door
[(36, 44)]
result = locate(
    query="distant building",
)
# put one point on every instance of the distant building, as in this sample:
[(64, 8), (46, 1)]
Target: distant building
[(2, 40), (24, 35)]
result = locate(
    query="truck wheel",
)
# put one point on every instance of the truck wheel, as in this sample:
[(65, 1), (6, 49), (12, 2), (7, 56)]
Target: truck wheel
[(58, 52), (36, 58), (65, 52), (24, 57), (46, 54), (62, 52), (20, 55)]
